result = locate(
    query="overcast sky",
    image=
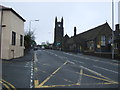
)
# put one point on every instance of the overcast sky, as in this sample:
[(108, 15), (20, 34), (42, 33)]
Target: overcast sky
[(83, 15)]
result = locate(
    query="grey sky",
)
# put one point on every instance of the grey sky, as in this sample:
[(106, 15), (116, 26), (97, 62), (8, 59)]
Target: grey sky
[(83, 15)]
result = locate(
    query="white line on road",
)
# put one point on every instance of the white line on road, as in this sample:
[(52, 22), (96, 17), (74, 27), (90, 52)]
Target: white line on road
[(83, 57), (35, 57), (78, 61), (31, 77), (80, 77), (90, 70), (70, 62), (105, 69)]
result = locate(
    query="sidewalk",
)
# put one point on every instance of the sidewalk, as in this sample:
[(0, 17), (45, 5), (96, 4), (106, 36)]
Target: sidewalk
[(103, 55), (26, 57)]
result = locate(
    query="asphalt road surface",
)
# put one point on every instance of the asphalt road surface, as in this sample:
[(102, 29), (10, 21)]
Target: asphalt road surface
[(64, 70), (57, 69)]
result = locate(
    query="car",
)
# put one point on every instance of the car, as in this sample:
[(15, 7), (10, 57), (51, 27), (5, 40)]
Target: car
[(35, 48)]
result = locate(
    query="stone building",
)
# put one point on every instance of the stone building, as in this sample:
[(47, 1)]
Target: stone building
[(58, 34)]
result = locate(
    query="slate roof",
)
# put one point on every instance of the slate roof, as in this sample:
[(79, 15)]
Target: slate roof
[(10, 9), (87, 35), (92, 33)]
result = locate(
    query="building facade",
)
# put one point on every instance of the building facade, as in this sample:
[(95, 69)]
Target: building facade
[(58, 34), (117, 39), (12, 34), (97, 39)]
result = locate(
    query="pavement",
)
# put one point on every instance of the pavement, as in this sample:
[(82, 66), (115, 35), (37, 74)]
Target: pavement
[(16, 73), (57, 69)]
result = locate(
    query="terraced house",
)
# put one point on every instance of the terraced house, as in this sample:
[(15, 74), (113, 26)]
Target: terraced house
[(12, 34)]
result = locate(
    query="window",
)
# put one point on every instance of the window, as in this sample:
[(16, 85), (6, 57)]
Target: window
[(116, 46), (103, 40), (13, 38), (21, 40), (110, 40)]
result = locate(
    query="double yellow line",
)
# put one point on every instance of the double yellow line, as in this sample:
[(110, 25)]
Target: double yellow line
[(7, 85)]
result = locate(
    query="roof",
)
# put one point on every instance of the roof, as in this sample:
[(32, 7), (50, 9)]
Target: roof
[(10, 9), (88, 35), (66, 36), (92, 33)]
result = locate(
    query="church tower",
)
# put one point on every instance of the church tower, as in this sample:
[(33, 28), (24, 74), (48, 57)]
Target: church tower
[(58, 33)]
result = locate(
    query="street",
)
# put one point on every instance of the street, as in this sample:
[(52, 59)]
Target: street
[(57, 69)]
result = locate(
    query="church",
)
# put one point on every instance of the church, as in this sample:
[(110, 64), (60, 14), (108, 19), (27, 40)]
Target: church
[(58, 34)]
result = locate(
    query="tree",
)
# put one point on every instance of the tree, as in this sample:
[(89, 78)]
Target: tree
[(29, 40)]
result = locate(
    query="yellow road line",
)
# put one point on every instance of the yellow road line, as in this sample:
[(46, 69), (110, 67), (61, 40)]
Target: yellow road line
[(109, 79), (76, 84), (36, 82), (99, 78), (58, 85), (40, 85), (106, 78), (5, 85), (9, 84)]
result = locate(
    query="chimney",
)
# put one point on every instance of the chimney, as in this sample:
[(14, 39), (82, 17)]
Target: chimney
[(74, 31), (117, 27)]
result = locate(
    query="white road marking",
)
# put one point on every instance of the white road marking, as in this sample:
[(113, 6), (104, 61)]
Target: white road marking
[(31, 77), (35, 57), (83, 57), (78, 61), (105, 69), (70, 62), (90, 70), (80, 77)]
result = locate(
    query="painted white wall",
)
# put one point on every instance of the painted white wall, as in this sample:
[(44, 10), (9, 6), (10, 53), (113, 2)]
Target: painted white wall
[(13, 23)]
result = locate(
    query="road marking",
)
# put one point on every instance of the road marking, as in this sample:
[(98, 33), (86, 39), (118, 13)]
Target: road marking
[(83, 57), (51, 86), (68, 81), (36, 83), (80, 77), (76, 84), (70, 62), (96, 77), (35, 57), (31, 77), (105, 69), (7, 85), (99, 75), (46, 64), (78, 61), (40, 85), (90, 70)]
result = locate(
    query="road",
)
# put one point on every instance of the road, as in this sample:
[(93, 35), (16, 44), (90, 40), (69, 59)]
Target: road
[(57, 69), (65, 70)]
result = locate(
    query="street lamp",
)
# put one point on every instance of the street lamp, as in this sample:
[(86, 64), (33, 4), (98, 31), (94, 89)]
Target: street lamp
[(112, 29), (30, 24)]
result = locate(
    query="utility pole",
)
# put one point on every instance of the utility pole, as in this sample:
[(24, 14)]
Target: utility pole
[(112, 29)]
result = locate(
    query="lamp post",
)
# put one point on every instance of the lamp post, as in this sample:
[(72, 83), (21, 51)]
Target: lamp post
[(30, 24), (112, 29)]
